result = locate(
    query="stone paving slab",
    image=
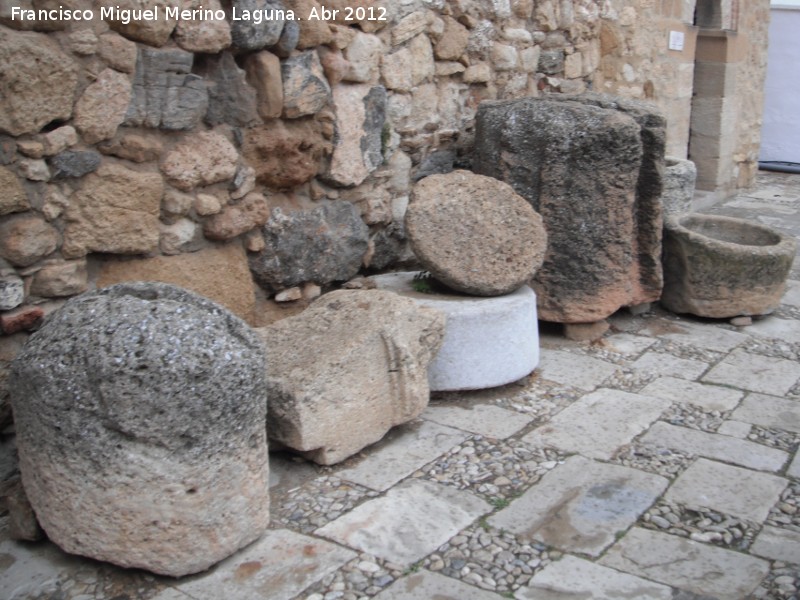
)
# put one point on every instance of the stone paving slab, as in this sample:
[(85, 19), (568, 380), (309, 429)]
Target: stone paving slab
[(732, 490), (627, 344), (573, 578), (755, 373), (433, 586), (709, 397), (737, 429), (716, 446), (769, 411), (792, 295), (408, 523), (598, 424), (28, 570), (777, 544), (278, 566), (692, 566), (582, 372), (581, 505), (772, 327), (704, 335), (401, 452), (794, 468), (667, 365), (483, 419)]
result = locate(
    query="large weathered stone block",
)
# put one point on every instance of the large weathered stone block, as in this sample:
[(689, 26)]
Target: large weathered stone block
[(140, 414), (591, 166), (336, 387), (321, 245), (39, 82)]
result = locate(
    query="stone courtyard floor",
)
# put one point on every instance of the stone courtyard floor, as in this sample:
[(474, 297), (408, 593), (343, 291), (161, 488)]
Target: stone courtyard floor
[(658, 462)]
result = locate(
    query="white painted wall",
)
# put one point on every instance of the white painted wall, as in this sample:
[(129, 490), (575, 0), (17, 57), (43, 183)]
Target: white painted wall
[(780, 134)]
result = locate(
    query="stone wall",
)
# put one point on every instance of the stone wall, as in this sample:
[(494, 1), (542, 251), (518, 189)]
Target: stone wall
[(217, 153)]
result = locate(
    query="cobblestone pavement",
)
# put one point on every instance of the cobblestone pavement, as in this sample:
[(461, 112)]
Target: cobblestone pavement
[(657, 462)]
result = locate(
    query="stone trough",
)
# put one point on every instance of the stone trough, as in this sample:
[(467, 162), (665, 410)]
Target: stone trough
[(723, 267), (488, 341)]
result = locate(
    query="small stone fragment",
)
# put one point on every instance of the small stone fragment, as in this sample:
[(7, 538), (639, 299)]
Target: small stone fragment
[(24, 318)]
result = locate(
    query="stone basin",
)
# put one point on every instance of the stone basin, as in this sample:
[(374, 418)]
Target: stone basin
[(723, 267)]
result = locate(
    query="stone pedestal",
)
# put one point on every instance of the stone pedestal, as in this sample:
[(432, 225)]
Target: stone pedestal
[(679, 179), (488, 342)]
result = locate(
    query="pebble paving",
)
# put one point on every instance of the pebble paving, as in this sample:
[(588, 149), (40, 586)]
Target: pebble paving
[(689, 489)]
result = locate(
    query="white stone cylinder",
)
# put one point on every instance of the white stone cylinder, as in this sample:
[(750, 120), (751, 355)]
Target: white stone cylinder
[(488, 342)]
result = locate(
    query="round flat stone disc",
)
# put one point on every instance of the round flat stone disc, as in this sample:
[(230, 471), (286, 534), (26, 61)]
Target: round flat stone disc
[(474, 233)]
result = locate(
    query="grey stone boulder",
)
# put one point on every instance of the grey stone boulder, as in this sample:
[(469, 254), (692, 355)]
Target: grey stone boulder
[(592, 166), (347, 369), (474, 233), (166, 94), (249, 33), (723, 267), (321, 245), (140, 414), (73, 163)]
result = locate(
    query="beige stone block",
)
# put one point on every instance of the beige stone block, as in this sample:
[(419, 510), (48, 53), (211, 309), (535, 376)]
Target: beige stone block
[(60, 278), (219, 273), (504, 57), (410, 27), (422, 65), (573, 66), (263, 71), (396, 69), (364, 57), (102, 107), (115, 211)]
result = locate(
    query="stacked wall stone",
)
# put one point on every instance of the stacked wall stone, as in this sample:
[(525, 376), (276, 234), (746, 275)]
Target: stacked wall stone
[(163, 148)]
